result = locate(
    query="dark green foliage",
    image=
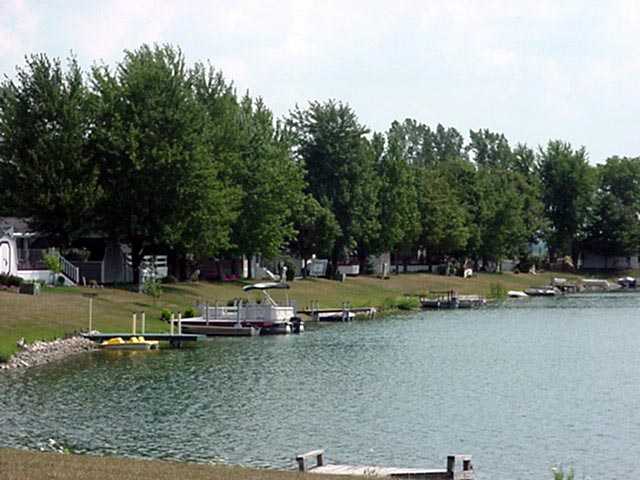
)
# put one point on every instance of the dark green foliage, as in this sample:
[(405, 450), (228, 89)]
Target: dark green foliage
[(271, 182), (10, 280), (340, 170), (189, 312), (614, 227), (46, 170), (291, 268), (158, 168), (567, 182), (317, 229), (169, 279)]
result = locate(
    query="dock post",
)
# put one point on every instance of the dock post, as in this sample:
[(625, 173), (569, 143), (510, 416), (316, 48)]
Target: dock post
[(180, 323), (143, 319), (206, 311), (133, 324), (302, 459), (172, 320)]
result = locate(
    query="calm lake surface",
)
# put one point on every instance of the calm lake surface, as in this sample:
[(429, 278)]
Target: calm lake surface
[(519, 386)]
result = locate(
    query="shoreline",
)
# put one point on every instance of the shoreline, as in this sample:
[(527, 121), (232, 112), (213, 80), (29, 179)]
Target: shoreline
[(43, 352)]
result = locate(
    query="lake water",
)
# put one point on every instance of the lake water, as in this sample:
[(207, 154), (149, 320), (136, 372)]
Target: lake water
[(519, 386)]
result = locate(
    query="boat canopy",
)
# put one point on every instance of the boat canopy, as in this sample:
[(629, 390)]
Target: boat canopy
[(266, 286)]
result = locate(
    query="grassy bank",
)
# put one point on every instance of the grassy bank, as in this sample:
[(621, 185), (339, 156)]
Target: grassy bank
[(17, 464), (62, 310)]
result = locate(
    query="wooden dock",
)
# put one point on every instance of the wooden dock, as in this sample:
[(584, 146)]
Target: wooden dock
[(175, 340), (459, 467), (344, 313)]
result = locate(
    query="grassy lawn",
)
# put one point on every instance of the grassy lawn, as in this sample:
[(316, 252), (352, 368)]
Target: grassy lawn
[(21, 465), (62, 310)]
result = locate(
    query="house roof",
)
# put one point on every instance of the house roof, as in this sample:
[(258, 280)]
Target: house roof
[(19, 225)]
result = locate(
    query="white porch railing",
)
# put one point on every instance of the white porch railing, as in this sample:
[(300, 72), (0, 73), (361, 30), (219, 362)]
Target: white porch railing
[(70, 270)]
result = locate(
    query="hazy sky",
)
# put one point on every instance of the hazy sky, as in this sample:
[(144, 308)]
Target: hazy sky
[(533, 70)]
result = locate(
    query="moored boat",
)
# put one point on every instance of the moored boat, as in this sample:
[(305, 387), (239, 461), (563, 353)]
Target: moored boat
[(545, 291), (517, 294), (247, 317)]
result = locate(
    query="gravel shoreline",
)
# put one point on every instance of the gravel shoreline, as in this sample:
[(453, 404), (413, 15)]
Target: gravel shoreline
[(41, 352)]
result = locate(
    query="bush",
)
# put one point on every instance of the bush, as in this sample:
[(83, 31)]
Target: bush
[(189, 312), (14, 281), (291, 268), (165, 315), (52, 260), (153, 289), (497, 291), (401, 303), (169, 279), (79, 254), (60, 280), (408, 303), (443, 269)]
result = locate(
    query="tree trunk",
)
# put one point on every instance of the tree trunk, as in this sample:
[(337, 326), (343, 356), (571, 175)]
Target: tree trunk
[(136, 259)]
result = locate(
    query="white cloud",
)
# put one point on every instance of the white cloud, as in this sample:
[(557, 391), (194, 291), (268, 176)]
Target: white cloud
[(19, 23)]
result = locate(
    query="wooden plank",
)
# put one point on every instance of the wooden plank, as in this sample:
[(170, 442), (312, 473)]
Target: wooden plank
[(371, 471)]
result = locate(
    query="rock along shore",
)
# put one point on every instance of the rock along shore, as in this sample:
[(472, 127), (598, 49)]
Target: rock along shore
[(41, 352)]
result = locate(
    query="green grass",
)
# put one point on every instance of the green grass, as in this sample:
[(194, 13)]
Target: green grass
[(62, 310), (15, 464)]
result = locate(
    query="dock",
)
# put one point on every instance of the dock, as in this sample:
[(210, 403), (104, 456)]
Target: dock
[(175, 340), (343, 314), (459, 467)]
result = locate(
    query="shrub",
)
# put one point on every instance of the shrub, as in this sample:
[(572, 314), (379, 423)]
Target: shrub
[(153, 289), (388, 304), (52, 260), (14, 281), (169, 279), (165, 315), (60, 280), (408, 303), (189, 312), (443, 269), (497, 291), (291, 268)]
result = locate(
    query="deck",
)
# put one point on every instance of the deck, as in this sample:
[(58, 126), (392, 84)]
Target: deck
[(458, 468)]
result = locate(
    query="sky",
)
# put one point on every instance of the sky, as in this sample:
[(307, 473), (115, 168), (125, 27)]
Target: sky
[(533, 70)]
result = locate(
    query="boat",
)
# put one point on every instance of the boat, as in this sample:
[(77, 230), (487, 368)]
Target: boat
[(133, 343), (451, 300), (517, 294), (247, 317), (545, 291)]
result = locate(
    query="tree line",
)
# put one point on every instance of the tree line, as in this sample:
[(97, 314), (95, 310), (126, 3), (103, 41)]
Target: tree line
[(162, 156)]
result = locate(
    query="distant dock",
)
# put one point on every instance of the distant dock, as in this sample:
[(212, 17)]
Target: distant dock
[(458, 468)]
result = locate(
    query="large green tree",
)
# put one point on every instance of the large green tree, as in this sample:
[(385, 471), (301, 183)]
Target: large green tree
[(317, 230), (614, 229), (158, 167), (443, 217), (399, 216), (568, 186), (271, 180), (340, 162), (46, 172)]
